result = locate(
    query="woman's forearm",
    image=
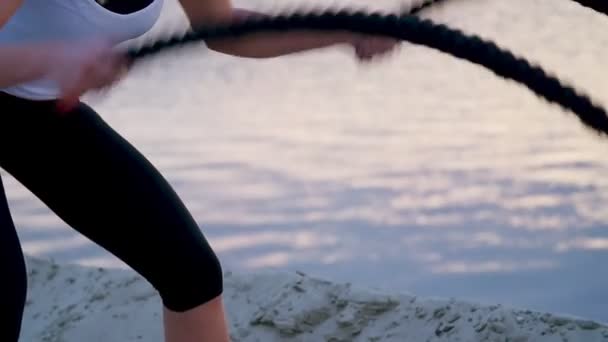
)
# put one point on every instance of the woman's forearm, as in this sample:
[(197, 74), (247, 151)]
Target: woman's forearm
[(273, 44), (265, 45), (22, 63)]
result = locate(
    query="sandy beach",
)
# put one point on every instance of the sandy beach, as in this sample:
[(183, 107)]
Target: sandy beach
[(72, 303)]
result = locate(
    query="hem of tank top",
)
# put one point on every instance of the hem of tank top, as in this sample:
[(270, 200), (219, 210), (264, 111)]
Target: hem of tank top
[(30, 96)]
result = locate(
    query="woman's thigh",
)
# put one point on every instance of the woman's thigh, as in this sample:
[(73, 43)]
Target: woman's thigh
[(100, 185)]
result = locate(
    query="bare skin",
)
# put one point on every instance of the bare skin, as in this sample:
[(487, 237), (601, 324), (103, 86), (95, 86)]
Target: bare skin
[(78, 68), (206, 322)]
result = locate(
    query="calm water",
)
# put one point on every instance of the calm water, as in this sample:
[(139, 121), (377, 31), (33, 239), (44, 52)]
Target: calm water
[(421, 173)]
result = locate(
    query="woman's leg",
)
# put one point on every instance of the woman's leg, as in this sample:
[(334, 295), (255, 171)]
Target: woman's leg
[(204, 323), (14, 276), (105, 189)]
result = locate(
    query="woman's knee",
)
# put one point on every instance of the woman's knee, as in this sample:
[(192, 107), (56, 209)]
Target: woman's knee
[(193, 279)]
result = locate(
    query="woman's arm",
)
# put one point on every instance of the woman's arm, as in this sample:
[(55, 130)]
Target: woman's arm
[(258, 45)]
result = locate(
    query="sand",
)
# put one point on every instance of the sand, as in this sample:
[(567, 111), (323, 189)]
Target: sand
[(69, 303)]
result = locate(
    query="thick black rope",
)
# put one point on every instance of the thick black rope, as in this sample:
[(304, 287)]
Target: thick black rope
[(600, 6), (420, 7), (415, 30)]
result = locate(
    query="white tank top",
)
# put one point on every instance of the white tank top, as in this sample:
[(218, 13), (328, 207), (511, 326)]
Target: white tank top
[(45, 20)]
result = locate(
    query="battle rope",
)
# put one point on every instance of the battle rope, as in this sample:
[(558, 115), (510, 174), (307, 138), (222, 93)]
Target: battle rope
[(415, 30), (419, 8), (600, 6)]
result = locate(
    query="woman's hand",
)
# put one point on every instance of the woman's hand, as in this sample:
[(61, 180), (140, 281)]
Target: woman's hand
[(78, 68), (369, 47)]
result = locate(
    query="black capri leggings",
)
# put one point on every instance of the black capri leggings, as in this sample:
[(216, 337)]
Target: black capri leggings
[(100, 185)]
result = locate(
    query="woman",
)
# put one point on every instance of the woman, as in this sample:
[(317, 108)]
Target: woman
[(51, 53)]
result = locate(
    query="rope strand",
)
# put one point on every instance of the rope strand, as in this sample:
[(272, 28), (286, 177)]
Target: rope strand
[(600, 6), (422, 6), (418, 31)]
